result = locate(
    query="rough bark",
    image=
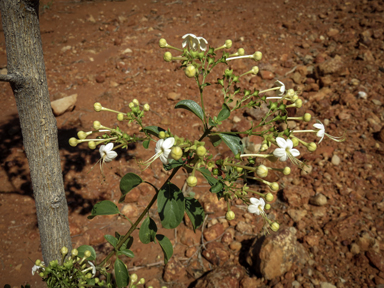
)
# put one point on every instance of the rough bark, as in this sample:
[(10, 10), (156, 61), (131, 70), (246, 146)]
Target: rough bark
[(26, 74)]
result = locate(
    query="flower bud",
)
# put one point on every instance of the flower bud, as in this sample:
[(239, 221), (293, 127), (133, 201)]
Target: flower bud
[(312, 147), (275, 226), (295, 141), (241, 51), (255, 70), (167, 57), (41, 274), (38, 262), (73, 142), (239, 169), (269, 197), (141, 281), (97, 106), (162, 135), (307, 117), (274, 186), (290, 93), (190, 71), (201, 151), (230, 215), (257, 56), (88, 276), (96, 125), (82, 135), (294, 98), (191, 181), (228, 44), (92, 145), (162, 43), (74, 252), (264, 147), (146, 107), (136, 102), (64, 250), (120, 117), (262, 171), (176, 153), (267, 206), (87, 253), (287, 171), (131, 105), (299, 103), (133, 278)]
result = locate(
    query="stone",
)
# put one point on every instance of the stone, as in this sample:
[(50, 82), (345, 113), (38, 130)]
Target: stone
[(326, 285), (213, 232), (65, 48), (63, 105), (216, 253), (100, 79), (267, 75), (318, 200), (188, 237), (296, 196), (377, 259), (274, 255), (173, 270), (297, 215), (130, 210), (244, 227), (133, 196), (126, 51), (155, 283), (335, 160), (91, 19), (248, 282), (227, 276), (332, 66), (173, 96), (235, 246), (113, 84), (343, 228), (258, 113)]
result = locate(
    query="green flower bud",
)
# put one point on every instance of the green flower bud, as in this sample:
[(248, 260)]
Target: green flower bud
[(312, 147), (255, 70), (162, 43), (167, 57), (131, 105), (89, 275), (241, 52), (228, 44), (133, 278), (307, 117), (215, 171), (162, 135), (299, 103), (74, 252), (92, 145), (295, 141), (236, 79), (176, 153), (287, 171), (97, 106), (190, 71), (96, 125), (141, 281), (191, 181), (97, 280), (38, 262), (41, 274), (201, 151), (257, 56), (146, 107), (262, 171), (269, 197), (136, 102), (73, 142), (64, 250), (228, 72), (239, 169), (230, 215), (274, 186), (120, 117), (82, 135), (267, 206), (275, 226), (87, 253)]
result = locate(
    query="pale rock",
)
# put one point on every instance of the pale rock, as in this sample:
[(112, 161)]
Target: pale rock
[(335, 160), (377, 102), (236, 119), (243, 227), (91, 19), (326, 285), (235, 246), (130, 210), (113, 84), (126, 51), (307, 169), (173, 96), (60, 106), (65, 48), (173, 270), (318, 200), (227, 276), (297, 215)]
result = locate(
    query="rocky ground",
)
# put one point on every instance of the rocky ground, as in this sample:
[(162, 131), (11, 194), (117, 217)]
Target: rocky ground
[(331, 216)]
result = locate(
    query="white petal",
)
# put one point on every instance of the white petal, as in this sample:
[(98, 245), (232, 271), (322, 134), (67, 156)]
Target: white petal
[(254, 200), (320, 133), (108, 147), (262, 202), (110, 156), (253, 209), (279, 152), (319, 126), (168, 143), (158, 145), (93, 268), (203, 43), (289, 144), (101, 150), (281, 142), (295, 152), (189, 35), (164, 158)]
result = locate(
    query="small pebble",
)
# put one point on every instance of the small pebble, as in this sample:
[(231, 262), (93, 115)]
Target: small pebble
[(362, 95), (335, 160)]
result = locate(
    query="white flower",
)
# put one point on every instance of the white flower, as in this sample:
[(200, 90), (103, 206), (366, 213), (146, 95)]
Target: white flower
[(106, 152), (285, 150), (281, 89), (257, 206), (321, 131), (194, 43), (37, 267), (93, 268), (163, 149)]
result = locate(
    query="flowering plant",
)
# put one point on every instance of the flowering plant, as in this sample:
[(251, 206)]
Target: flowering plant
[(198, 60)]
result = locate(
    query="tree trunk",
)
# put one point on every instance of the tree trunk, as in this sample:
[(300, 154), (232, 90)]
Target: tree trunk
[(26, 74)]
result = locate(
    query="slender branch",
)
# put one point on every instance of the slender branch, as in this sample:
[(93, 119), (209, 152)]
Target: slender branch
[(12, 78)]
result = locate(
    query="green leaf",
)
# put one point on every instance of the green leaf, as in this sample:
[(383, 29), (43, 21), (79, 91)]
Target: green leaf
[(211, 123), (121, 274), (127, 244), (170, 205), (111, 240), (191, 106), (215, 140), (166, 245), (91, 281), (146, 143), (147, 231), (216, 184), (154, 130), (127, 183), (233, 142), (218, 187), (126, 252), (104, 208), (172, 163), (195, 212), (224, 113), (205, 84), (84, 248)]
